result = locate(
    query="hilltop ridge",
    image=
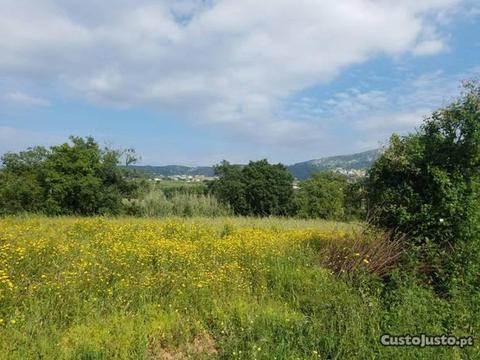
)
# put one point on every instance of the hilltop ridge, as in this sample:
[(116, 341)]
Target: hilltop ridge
[(351, 165)]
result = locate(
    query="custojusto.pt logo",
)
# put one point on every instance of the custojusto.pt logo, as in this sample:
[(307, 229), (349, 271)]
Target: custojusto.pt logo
[(423, 340)]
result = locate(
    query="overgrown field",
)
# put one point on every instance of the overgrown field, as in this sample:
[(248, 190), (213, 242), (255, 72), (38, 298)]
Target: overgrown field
[(74, 288)]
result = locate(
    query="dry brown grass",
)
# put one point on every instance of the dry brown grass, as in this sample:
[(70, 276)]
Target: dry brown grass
[(369, 251), (203, 346)]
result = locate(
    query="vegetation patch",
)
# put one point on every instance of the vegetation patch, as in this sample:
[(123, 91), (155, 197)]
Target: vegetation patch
[(126, 288)]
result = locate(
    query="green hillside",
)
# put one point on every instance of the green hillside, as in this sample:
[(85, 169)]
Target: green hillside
[(346, 164), (342, 163)]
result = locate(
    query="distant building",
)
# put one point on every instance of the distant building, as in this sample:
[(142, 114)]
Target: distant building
[(191, 178)]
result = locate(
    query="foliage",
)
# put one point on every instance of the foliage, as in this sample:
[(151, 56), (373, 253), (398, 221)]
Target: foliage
[(322, 196), (269, 189), (157, 202), (259, 188), (72, 178), (230, 187), (130, 156), (173, 187), (355, 200), (426, 184)]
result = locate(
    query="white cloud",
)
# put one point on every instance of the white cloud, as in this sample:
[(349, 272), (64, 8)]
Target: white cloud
[(22, 98), (401, 121), (376, 114), (226, 62), (429, 47)]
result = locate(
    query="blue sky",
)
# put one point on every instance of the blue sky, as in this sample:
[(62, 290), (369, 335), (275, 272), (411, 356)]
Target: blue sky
[(194, 82)]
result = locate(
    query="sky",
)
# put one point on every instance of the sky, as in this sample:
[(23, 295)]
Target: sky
[(194, 82)]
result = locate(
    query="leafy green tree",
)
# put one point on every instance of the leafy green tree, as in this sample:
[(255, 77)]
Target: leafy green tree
[(72, 178), (21, 181), (268, 188), (28, 161), (82, 178), (130, 156), (20, 194), (322, 196), (426, 184), (230, 188), (259, 188)]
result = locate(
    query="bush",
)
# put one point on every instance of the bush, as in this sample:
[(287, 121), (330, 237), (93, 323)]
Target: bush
[(354, 202), (426, 184)]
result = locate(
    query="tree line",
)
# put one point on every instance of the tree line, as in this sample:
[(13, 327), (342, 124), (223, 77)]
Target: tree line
[(82, 178), (263, 189)]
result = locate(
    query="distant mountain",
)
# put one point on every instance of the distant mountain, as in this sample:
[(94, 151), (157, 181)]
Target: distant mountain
[(352, 165), (346, 164)]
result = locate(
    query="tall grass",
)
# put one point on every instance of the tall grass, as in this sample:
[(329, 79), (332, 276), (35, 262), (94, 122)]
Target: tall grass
[(172, 187), (97, 288), (155, 203)]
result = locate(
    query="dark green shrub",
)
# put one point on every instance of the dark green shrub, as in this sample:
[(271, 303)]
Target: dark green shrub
[(426, 185), (355, 202), (322, 196)]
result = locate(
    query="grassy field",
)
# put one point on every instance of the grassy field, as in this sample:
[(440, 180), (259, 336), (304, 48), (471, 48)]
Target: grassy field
[(226, 288)]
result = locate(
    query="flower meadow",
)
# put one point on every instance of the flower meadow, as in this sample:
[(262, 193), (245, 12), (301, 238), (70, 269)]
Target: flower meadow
[(100, 288)]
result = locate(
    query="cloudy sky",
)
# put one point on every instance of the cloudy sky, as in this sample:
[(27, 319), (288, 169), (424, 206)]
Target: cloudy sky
[(194, 82)]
